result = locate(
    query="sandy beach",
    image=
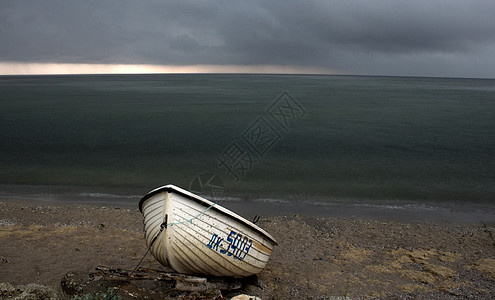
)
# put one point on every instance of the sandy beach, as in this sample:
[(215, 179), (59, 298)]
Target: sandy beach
[(317, 258)]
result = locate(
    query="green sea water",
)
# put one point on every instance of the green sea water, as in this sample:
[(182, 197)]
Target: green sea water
[(345, 137)]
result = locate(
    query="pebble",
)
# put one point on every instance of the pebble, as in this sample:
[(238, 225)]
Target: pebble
[(245, 297)]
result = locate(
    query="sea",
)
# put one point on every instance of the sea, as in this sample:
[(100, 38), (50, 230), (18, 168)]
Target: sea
[(341, 146)]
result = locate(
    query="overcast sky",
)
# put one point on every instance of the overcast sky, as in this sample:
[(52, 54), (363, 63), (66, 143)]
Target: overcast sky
[(453, 38)]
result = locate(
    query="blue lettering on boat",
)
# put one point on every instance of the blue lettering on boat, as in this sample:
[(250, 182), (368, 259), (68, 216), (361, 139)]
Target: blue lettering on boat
[(237, 245)]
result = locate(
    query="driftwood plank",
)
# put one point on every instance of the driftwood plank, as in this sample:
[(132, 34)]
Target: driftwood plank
[(183, 283)]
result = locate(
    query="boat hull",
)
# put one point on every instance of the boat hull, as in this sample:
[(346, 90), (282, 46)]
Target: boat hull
[(192, 235)]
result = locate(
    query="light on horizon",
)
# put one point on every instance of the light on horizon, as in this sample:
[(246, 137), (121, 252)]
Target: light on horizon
[(17, 68)]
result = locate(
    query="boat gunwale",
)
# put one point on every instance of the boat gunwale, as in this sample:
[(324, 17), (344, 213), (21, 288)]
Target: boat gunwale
[(218, 208)]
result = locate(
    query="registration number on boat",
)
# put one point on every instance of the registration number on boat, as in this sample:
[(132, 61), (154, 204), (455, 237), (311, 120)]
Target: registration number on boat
[(237, 245)]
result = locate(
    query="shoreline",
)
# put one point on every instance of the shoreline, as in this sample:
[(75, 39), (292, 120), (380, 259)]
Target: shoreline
[(330, 256), (386, 210)]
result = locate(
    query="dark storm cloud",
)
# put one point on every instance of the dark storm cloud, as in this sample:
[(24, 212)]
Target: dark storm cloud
[(373, 36)]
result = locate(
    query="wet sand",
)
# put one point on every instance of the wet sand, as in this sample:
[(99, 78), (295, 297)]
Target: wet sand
[(316, 257)]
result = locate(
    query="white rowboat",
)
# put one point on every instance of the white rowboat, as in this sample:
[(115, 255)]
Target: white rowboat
[(192, 235)]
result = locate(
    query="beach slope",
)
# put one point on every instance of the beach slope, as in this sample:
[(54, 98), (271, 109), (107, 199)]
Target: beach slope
[(316, 257)]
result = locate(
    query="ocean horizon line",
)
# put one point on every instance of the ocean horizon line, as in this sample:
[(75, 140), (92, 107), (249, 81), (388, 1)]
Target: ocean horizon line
[(252, 74)]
